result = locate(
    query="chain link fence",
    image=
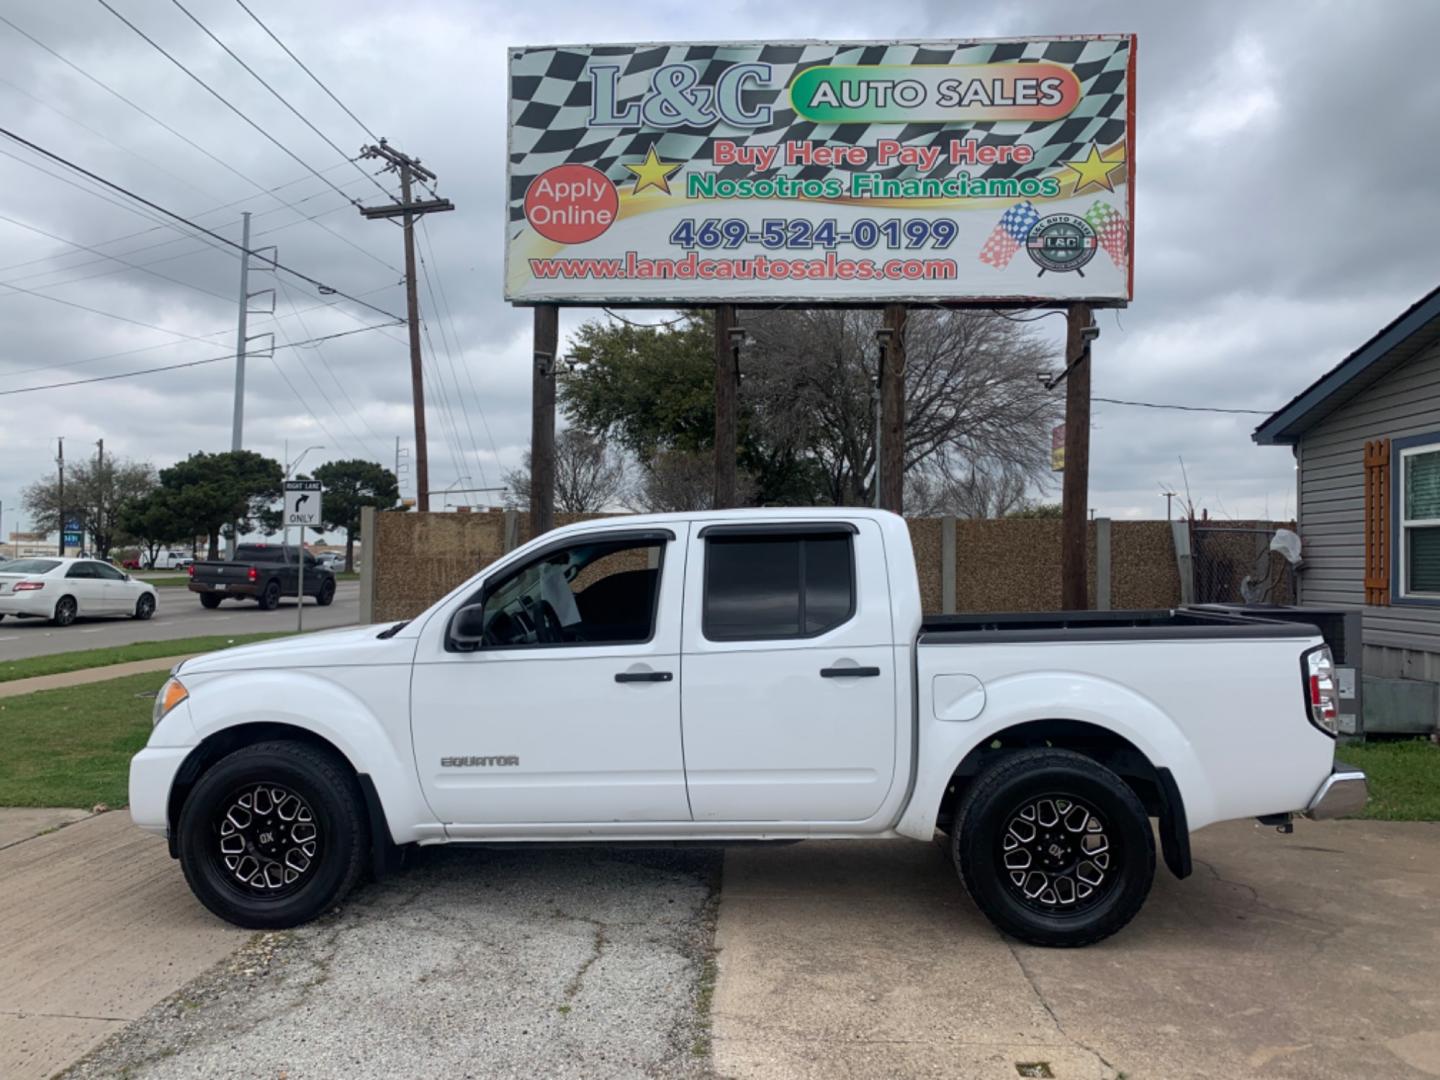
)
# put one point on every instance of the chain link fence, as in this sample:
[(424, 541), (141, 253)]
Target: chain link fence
[(1234, 565)]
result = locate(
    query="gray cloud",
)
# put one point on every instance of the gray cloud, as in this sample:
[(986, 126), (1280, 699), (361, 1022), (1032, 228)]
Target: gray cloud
[(1284, 167)]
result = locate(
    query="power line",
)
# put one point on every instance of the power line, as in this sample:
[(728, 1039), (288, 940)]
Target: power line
[(168, 344), (1182, 408), (364, 127), (184, 138), (450, 360), (187, 364), (278, 97), (324, 288), (215, 93)]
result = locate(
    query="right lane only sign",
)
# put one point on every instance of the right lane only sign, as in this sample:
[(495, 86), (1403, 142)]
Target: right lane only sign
[(302, 502)]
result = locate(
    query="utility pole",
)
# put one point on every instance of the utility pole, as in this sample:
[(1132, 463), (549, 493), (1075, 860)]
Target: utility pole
[(237, 423), (890, 437), (1168, 496), (99, 498), (542, 418), (727, 392), (1074, 569), (409, 169), (60, 498)]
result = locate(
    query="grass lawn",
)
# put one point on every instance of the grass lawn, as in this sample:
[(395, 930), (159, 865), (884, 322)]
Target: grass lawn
[(1404, 778), (73, 747), (122, 654)]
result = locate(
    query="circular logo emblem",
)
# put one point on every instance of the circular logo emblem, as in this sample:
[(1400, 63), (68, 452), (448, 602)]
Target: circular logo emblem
[(1061, 242), (571, 204)]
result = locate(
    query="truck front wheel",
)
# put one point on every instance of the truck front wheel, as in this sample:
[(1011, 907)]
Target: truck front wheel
[(1054, 848), (273, 835)]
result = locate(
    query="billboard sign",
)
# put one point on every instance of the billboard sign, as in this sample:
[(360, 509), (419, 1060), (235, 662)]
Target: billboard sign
[(827, 172), (1057, 448)]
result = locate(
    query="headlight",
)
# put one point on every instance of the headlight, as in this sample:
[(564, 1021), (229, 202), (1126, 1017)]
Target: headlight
[(170, 695)]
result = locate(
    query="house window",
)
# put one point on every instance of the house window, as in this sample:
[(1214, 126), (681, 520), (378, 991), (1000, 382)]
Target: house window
[(1420, 521)]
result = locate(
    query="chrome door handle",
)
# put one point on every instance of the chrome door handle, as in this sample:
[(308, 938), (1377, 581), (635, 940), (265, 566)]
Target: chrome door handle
[(644, 676), (849, 672)]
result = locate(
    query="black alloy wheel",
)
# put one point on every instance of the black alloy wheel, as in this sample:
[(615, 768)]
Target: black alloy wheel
[(145, 607), (1053, 847), (326, 596), (210, 600), (270, 597), (273, 835)]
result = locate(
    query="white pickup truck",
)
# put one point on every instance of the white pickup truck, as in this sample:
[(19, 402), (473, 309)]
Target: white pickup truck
[(740, 676)]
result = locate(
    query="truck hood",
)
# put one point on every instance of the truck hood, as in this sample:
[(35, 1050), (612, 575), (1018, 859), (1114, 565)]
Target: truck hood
[(346, 646)]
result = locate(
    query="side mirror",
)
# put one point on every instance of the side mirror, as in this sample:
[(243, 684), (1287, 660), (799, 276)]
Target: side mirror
[(467, 627)]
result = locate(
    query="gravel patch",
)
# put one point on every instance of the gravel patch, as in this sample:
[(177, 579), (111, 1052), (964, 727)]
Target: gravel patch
[(584, 962)]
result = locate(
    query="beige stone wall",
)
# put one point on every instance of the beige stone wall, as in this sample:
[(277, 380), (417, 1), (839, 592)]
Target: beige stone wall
[(1012, 564)]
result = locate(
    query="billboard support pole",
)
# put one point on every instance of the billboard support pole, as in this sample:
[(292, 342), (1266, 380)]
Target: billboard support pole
[(891, 449), (542, 419), (726, 406), (1074, 572)]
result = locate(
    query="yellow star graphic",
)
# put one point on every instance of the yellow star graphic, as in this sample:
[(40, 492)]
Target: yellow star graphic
[(652, 172), (1095, 169)]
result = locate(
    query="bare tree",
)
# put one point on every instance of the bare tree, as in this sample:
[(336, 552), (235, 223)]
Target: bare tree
[(676, 480), (977, 421), (990, 489), (589, 475)]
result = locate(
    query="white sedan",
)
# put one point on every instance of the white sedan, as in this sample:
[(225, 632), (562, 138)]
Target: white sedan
[(63, 590)]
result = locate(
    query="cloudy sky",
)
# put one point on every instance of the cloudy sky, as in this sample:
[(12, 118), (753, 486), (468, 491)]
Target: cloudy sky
[(1285, 165)]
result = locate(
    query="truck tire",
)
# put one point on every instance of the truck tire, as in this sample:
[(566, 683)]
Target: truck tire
[(1054, 848), (326, 596), (273, 835), (210, 600), (269, 597)]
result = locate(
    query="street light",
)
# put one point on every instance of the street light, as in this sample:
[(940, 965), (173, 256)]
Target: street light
[(290, 468)]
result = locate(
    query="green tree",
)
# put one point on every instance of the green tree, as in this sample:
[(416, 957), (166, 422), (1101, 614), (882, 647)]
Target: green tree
[(1038, 510), (215, 491), (349, 487), (154, 520)]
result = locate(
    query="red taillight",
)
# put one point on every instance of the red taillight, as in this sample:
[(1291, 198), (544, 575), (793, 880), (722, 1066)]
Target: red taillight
[(253, 574), (1324, 691), (190, 569), (28, 586)]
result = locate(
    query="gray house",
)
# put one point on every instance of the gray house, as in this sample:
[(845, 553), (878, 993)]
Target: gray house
[(1366, 438)]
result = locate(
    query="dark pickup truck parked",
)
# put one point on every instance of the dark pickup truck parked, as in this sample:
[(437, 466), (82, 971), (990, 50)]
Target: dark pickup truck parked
[(260, 572)]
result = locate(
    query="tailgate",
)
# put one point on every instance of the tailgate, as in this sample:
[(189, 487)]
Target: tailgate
[(221, 573)]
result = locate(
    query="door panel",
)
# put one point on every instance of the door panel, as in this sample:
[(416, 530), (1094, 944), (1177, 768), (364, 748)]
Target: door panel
[(574, 731), (86, 588), (790, 729)]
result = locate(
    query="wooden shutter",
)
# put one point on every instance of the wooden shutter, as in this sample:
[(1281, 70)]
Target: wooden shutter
[(1377, 522)]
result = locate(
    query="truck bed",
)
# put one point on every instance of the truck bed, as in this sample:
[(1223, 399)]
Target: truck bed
[(1161, 624)]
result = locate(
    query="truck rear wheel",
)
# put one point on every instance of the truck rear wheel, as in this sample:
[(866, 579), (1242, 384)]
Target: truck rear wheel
[(210, 600), (273, 835), (1054, 848), (270, 597)]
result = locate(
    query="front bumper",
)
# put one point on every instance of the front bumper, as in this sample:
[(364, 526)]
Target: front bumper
[(1343, 794), (152, 771)]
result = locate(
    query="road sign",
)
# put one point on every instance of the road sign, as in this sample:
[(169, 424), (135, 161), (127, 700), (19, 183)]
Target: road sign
[(302, 502), (71, 539)]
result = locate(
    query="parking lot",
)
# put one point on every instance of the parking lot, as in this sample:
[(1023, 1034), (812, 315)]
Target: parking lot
[(1303, 956)]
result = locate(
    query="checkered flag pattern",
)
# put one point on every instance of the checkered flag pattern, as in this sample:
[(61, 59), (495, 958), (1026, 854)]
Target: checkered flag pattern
[(1009, 235), (550, 107), (1111, 230)]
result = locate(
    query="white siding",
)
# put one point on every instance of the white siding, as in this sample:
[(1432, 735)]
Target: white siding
[(1332, 505)]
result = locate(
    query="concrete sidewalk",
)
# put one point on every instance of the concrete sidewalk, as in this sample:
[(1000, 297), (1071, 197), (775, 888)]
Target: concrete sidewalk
[(93, 931), (1309, 956), (16, 687)]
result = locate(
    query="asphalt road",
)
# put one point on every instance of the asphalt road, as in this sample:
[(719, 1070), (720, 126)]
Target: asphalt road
[(179, 615)]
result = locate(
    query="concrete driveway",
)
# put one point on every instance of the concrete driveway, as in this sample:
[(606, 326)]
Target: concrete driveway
[(1308, 956)]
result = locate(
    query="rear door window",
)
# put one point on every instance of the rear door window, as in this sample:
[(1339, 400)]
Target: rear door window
[(767, 586)]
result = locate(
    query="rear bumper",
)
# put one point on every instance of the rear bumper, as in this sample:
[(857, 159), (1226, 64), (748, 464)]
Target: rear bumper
[(35, 603), (236, 589), (1344, 793)]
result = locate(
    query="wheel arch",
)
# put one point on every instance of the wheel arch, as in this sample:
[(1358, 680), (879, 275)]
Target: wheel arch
[(1154, 785), (219, 744)]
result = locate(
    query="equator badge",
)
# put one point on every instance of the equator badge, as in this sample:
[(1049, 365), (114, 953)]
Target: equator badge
[(1061, 242)]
